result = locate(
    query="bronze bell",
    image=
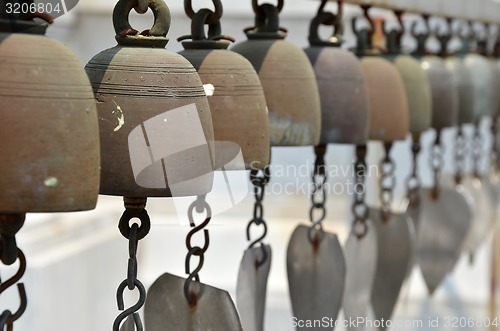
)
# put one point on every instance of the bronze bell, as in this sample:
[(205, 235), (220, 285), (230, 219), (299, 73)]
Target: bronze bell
[(345, 112), (444, 88), (416, 83), (235, 95), (154, 117), (287, 77), (49, 136), (389, 120)]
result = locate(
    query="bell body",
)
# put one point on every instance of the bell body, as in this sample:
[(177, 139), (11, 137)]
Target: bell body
[(445, 100), (418, 92), (463, 79), (345, 109), (389, 120), (483, 85), (237, 103), (49, 135), (290, 88), (153, 116)]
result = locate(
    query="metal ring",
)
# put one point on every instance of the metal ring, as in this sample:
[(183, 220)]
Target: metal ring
[(129, 214), (258, 10), (160, 10), (215, 16)]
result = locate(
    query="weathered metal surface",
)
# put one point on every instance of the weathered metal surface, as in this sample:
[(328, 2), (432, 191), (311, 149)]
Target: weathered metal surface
[(237, 102), (482, 222), (345, 112), (389, 119), (483, 85), (443, 227), (136, 88), (316, 276), (167, 308), (290, 88), (49, 135), (251, 287), (445, 99), (395, 242), (418, 93), (361, 262), (462, 77)]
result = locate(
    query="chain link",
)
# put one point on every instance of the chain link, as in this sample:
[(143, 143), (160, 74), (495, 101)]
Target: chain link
[(477, 151), (460, 153), (387, 182), (134, 208), (201, 206), (259, 180), (436, 163), (413, 183), (317, 213), (359, 207)]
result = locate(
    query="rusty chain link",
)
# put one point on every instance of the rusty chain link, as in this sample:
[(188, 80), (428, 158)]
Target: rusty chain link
[(359, 207), (201, 206), (387, 182), (318, 196), (460, 155), (413, 183), (436, 163)]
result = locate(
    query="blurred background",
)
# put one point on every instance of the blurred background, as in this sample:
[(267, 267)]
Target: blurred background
[(76, 261)]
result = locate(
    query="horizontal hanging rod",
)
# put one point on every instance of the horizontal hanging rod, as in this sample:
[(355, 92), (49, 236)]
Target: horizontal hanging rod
[(484, 11)]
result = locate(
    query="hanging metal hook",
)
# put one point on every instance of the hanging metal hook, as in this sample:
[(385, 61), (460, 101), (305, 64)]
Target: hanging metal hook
[(132, 310), (327, 19)]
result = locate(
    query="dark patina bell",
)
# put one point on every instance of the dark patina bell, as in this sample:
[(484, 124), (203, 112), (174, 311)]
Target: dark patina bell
[(389, 120), (416, 83), (444, 88), (287, 78), (235, 95), (49, 134), (345, 112), (154, 117)]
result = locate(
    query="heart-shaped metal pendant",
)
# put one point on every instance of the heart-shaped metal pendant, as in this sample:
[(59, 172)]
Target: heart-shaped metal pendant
[(395, 242), (251, 288), (167, 308), (444, 224), (316, 275), (361, 262), (482, 218)]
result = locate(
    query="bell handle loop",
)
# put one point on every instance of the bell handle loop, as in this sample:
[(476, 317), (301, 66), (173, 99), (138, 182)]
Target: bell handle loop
[(395, 36), (259, 11), (422, 37), (215, 15), (364, 36), (269, 21), (123, 29), (328, 19)]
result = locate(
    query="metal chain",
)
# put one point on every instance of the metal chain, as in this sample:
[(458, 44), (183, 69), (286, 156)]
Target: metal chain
[(318, 196), (259, 184), (413, 183), (201, 206), (436, 162), (134, 209), (460, 153), (387, 182), (7, 318), (359, 207), (477, 151), (494, 144)]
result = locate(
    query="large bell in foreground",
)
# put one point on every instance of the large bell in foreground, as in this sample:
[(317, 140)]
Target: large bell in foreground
[(287, 78), (235, 95), (345, 111), (49, 134), (154, 117)]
